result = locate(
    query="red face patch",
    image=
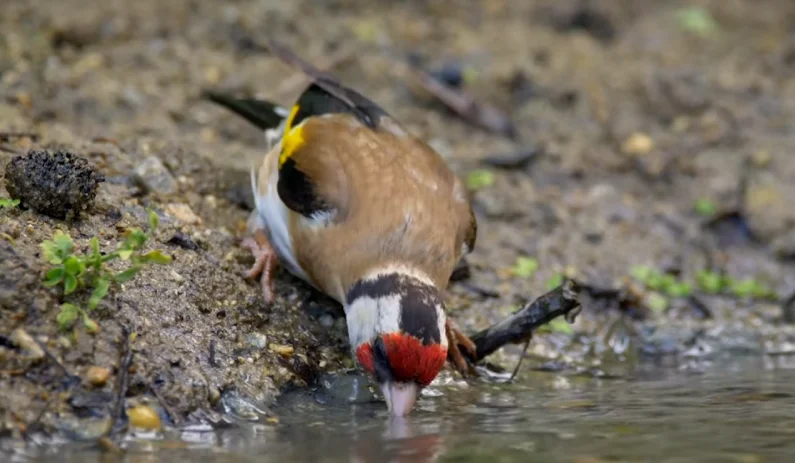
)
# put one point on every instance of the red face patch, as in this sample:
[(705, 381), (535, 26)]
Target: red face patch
[(409, 360)]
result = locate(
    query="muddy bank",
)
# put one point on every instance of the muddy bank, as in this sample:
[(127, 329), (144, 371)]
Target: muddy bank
[(637, 110)]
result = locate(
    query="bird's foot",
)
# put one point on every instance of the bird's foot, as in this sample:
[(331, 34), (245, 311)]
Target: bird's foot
[(264, 264), (456, 338)]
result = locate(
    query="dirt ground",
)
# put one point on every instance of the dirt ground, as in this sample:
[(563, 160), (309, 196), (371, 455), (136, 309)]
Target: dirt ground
[(635, 110)]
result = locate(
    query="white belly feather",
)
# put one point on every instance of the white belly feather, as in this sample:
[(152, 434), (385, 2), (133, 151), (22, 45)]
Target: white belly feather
[(274, 216)]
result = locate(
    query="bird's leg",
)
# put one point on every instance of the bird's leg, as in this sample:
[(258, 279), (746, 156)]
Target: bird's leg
[(264, 264), (454, 338)]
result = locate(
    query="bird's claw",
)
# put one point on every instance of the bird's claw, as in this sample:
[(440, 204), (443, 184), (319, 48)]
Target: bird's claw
[(264, 264), (456, 338)]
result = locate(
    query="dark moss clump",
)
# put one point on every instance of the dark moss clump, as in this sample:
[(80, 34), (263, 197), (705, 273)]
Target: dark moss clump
[(58, 184)]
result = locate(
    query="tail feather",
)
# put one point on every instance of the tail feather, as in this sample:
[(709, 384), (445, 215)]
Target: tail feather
[(263, 114)]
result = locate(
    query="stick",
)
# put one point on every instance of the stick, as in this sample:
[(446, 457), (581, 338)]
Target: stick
[(464, 105), (121, 383), (519, 326)]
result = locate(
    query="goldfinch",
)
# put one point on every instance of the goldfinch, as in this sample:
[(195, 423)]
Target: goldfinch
[(349, 201)]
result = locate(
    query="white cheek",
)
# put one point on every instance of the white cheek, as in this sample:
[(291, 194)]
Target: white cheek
[(389, 313), (362, 319), (367, 317), (442, 320)]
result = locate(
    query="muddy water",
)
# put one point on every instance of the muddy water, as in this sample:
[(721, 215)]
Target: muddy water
[(741, 411)]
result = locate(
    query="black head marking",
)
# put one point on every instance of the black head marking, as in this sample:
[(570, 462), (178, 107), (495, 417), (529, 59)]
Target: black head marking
[(381, 368), (418, 303)]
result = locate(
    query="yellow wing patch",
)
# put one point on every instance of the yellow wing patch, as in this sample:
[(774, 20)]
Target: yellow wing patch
[(293, 138)]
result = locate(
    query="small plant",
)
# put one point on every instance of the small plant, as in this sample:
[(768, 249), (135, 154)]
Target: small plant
[(662, 282), (525, 267), (86, 271), (707, 281), (480, 178), (697, 20), (705, 207), (8, 202)]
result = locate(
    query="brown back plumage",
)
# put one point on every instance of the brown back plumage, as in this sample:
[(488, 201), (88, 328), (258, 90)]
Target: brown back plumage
[(395, 201)]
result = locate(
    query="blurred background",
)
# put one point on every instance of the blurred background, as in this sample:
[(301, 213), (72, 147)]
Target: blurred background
[(643, 147)]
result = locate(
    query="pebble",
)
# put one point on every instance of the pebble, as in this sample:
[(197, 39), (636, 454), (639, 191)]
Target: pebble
[(97, 376), (144, 417), (183, 213), (257, 340), (177, 278), (21, 338), (153, 176), (638, 144), (282, 349)]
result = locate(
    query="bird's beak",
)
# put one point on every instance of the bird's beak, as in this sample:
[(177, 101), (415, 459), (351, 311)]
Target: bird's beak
[(400, 397)]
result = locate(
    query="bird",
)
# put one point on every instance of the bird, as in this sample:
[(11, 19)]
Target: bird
[(349, 201)]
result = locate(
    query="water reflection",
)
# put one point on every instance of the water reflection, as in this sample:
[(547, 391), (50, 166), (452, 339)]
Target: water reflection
[(739, 411)]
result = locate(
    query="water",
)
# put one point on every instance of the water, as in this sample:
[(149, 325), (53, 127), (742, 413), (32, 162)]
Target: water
[(733, 412)]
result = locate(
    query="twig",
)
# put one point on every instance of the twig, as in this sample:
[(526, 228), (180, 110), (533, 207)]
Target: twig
[(8, 149), (298, 80), (121, 382), (518, 327), (8, 136), (171, 414), (464, 105), (70, 378), (521, 357)]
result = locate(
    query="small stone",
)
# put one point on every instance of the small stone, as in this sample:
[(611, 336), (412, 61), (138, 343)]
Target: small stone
[(97, 376), (761, 158), (153, 176), (184, 241), (176, 277), (257, 340), (326, 320), (282, 349), (183, 213), (22, 339), (214, 395), (144, 417), (638, 144)]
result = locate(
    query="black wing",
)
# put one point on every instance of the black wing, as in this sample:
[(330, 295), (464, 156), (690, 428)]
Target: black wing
[(264, 114)]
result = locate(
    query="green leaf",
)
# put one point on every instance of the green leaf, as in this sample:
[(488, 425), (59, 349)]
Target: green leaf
[(154, 220), (525, 267), (96, 256), (91, 325), (705, 207), (126, 275), (63, 244), (710, 282), (156, 257), (679, 289), (100, 290), (67, 316), (559, 325), (125, 254), (480, 178), (53, 277), (555, 281), (73, 266), (69, 283), (134, 238), (8, 202), (656, 302)]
